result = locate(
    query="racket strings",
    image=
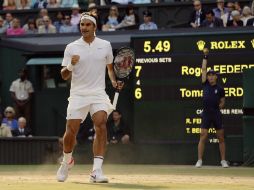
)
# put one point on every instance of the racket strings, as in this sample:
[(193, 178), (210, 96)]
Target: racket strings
[(124, 62)]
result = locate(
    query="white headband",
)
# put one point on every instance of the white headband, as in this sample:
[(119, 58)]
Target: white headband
[(88, 18)]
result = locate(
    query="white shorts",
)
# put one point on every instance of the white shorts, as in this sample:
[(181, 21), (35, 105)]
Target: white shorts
[(79, 106)]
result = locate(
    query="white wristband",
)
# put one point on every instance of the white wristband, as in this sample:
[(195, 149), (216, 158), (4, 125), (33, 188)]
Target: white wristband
[(70, 67)]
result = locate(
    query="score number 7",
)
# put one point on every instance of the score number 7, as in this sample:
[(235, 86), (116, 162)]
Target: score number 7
[(138, 68), (138, 92)]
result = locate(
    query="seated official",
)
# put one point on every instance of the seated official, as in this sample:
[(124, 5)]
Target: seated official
[(118, 131), (23, 130)]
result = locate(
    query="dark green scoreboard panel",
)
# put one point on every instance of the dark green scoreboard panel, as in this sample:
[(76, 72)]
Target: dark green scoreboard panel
[(167, 83)]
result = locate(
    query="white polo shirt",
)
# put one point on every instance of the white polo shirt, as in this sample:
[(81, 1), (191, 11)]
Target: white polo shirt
[(22, 89), (88, 75)]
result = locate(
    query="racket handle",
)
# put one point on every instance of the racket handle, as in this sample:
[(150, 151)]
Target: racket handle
[(115, 99)]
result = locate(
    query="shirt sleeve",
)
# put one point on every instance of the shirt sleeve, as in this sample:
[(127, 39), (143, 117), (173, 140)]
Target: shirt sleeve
[(12, 87), (67, 56), (109, 55), (30, 88)]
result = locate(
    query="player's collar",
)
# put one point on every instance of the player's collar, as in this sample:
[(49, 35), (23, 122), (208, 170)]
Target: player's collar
[(82, 41)]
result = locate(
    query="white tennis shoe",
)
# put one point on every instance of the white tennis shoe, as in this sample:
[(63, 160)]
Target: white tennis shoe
[(62, 173), (199, 164), (224, 164), (97, 177)]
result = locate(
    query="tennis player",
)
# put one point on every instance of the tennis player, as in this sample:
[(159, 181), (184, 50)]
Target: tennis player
[(85, 61), (213, 101)]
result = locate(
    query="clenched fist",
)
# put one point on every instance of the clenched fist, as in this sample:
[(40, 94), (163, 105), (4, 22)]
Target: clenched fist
[(75, 59), (118, 84)]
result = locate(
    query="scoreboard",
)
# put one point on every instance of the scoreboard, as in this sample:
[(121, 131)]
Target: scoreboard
[(167, 83)]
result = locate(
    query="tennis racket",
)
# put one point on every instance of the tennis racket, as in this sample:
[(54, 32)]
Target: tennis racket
[(123, 64)]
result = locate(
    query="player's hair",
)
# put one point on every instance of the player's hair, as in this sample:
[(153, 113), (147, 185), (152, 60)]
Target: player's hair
[(90, 14)]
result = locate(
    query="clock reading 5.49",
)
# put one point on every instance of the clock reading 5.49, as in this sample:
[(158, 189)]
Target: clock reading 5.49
[(159, 46)]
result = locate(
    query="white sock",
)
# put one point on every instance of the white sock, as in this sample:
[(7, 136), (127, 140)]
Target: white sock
[(67, 157), (97, 162)]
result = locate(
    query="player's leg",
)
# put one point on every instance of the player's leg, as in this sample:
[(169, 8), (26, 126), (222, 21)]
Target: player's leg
[(74, 118), (69, 138), (99, 113), (69, 141), (99, 146)]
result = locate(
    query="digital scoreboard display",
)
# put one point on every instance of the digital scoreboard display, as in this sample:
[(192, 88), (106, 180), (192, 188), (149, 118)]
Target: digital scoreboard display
[(167, 83)]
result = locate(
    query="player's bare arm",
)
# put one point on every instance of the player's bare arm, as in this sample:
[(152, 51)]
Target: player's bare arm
[(66, 71), (204, 65), (116, 84), (222, 103)]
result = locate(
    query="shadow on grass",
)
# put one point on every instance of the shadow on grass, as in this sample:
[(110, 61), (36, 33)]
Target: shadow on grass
[(124, 185)]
